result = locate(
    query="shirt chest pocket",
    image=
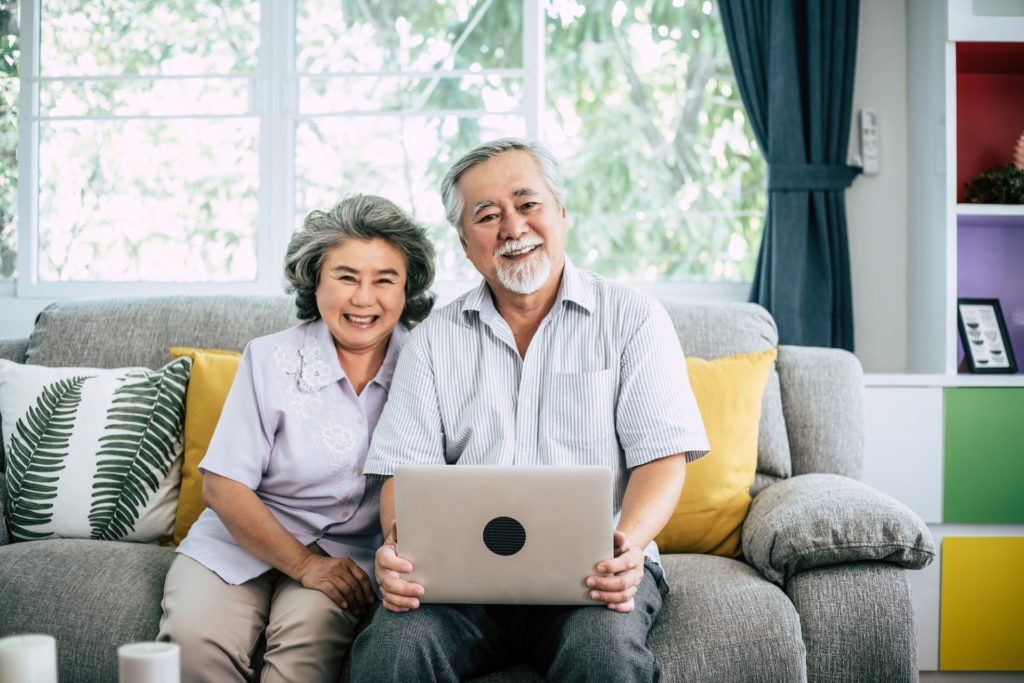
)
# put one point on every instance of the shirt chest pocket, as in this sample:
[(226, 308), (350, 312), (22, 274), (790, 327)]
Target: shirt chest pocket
[(579, 411)]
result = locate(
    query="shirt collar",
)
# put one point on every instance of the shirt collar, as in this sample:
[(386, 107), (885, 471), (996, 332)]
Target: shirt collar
[(573, 287), (319, 364), (576, 288)]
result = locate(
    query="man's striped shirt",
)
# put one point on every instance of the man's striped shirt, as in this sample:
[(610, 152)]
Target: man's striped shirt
[(604, 382)]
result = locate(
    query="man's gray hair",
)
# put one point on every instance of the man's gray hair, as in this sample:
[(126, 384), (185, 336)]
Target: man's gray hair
[(361, 217), (455, 203)]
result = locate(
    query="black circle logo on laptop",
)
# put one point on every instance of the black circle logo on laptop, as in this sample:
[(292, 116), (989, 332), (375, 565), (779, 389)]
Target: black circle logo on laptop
[(504, 536)]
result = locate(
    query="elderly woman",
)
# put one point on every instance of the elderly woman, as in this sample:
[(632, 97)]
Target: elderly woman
[(286, 545)]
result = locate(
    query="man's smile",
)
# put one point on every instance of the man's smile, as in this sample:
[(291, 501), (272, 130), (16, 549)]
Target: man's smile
[(518, 253), (516, 250)]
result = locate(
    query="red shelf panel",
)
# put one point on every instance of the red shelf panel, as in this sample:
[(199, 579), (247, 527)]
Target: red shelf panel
[(989, 106)]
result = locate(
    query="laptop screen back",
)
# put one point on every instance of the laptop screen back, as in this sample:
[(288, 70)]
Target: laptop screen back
[(504, 534)]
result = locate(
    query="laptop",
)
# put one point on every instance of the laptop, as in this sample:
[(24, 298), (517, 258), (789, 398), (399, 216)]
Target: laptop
[(504, 534)]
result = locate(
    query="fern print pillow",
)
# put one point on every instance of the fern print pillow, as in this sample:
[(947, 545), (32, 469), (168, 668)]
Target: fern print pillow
[(92, 453)]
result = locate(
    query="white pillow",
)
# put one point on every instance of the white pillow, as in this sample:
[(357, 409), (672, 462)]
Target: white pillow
[(92, 453)]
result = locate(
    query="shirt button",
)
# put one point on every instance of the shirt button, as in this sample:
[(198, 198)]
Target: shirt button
[(360, 420)]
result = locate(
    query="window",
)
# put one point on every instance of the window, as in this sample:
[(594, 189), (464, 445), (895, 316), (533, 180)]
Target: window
[(182, 142), (642, 106), (9, 53), (147, 165), (365, 125)]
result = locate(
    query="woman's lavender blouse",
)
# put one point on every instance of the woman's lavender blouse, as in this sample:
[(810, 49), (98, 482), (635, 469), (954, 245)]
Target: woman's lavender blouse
[(295, 432)]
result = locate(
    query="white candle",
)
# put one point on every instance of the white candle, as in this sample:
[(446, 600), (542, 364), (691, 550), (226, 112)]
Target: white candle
[(149, 663), (28, 659)]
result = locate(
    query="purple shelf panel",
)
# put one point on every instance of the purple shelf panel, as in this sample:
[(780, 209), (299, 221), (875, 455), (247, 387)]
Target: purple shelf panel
[(990, 265)]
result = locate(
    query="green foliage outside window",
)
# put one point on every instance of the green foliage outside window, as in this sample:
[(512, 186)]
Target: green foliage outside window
[(641, 108), (136, 199), (664, 180)]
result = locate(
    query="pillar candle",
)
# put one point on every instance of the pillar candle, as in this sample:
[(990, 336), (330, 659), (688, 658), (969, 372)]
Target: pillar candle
[(149, 663), (28, 659)]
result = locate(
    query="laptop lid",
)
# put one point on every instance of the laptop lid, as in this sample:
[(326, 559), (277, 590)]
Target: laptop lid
[(504, 534)]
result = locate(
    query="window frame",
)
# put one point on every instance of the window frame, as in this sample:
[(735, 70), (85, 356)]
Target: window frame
[(274, 103)]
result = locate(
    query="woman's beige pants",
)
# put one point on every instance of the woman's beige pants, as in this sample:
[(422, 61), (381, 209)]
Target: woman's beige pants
[(218, 626)]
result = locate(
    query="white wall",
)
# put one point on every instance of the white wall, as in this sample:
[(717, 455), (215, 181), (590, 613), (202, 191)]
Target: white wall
[(876, 205)]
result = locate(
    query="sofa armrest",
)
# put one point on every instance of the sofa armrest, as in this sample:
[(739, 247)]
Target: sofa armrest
[(822, 402), (14, 349), (4, 539), (857, 622), (817, 520)]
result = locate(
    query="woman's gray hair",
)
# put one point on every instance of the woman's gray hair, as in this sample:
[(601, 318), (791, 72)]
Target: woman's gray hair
[(360, 217), (455, 203)]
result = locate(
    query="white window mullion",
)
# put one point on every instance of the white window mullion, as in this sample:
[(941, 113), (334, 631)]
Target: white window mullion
[(28, 151), (533, 65), (277, 107)]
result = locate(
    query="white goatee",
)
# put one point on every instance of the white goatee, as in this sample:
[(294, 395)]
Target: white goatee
[(523, 277)]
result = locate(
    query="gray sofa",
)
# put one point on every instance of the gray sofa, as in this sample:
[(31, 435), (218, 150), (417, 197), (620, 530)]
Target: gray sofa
[(822, 596)]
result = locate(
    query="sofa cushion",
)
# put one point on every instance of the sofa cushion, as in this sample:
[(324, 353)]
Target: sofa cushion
[(715, 330), (716, 495), (723, 622), (111, 333), (720, 622), (213, 372), (93, 452), (91, 596), (815, 520)]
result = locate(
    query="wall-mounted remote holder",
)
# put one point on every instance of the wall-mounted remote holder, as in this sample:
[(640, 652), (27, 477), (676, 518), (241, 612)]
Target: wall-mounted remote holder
[(869, 145)]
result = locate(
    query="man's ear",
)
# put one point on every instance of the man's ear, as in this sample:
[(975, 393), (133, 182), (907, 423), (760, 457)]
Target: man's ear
[(462, 241)]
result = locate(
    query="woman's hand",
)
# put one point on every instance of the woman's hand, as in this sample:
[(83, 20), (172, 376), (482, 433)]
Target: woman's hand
[(260, 533), (340, 579), (622, 576), (397, 594)]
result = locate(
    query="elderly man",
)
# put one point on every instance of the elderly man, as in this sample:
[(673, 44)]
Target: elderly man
[(541, 364)]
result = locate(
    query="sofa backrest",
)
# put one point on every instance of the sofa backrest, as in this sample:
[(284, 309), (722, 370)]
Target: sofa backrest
[(123, 332), (139, 331), (715, 330)]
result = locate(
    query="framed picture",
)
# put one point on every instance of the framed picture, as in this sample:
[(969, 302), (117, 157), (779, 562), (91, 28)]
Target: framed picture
[(983, 333)]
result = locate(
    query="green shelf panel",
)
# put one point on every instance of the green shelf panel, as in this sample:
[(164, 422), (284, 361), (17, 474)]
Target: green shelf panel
[(983, 479)]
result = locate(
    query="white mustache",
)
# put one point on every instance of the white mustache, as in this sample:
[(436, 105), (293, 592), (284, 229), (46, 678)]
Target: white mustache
[(516, 245)]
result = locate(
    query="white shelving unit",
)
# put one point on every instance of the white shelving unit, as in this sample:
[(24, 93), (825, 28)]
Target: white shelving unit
[(908, 430)]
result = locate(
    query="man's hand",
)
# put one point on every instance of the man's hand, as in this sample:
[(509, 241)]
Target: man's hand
[(340, 579), (622, 576), (397, 594)]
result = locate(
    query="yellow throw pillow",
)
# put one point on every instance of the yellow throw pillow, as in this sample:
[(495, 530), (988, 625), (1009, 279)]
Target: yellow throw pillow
[(213, 372), (716, 494)]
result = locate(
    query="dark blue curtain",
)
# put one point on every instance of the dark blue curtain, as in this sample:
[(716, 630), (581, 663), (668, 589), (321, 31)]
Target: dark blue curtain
[(794, 62)]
